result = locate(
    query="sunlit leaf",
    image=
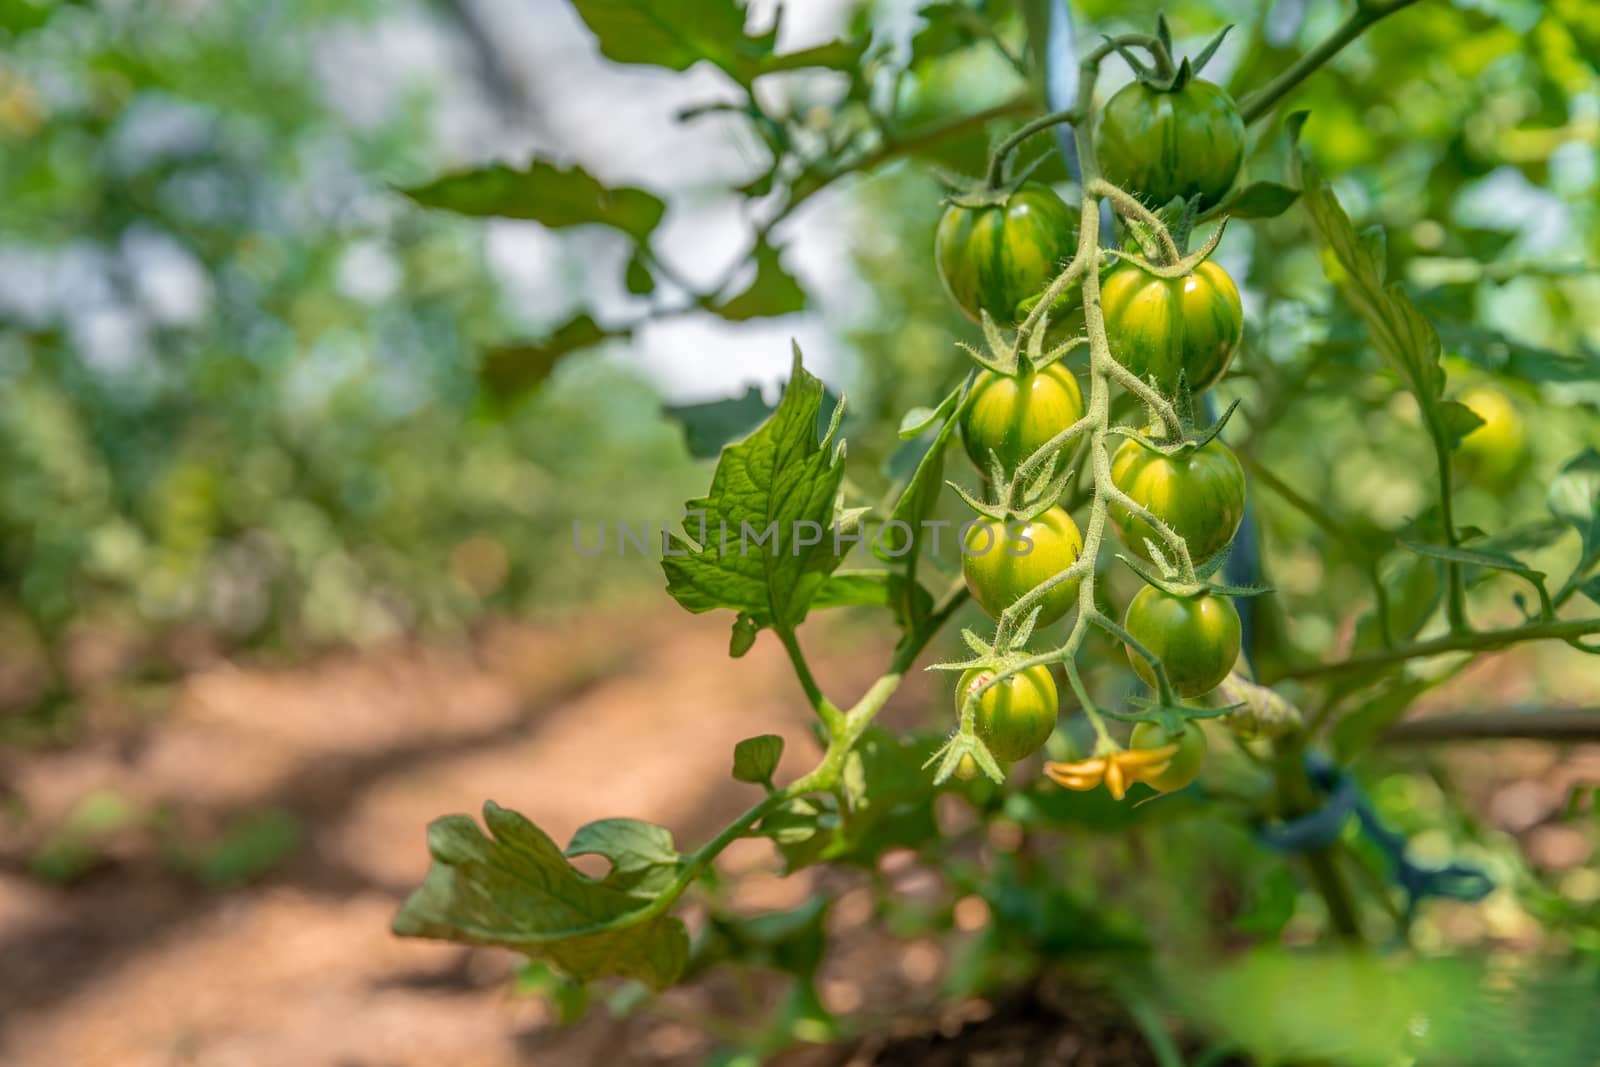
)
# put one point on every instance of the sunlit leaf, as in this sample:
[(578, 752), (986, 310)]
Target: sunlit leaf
[(513, 888), (768, 539)]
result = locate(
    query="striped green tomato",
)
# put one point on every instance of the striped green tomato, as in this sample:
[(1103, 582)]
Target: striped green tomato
[(1161, 326), (1196, 638), (1199, 494), (1160, 145), (1015, 717), (994, 257), (1003, 561), (1016, 416)]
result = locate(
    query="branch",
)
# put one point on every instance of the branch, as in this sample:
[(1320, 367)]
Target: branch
[(1367, 12), (1530, 724), (1560, 630)]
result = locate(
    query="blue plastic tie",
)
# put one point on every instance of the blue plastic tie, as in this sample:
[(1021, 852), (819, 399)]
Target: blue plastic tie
[(1321, 828)]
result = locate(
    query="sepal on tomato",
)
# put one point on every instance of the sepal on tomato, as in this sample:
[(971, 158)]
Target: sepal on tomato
[(1170, 717)]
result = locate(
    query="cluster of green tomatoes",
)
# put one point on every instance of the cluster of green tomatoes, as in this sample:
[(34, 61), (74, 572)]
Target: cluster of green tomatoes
[(997, 258)]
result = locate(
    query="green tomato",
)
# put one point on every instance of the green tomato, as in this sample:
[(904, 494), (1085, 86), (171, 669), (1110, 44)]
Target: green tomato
[(993, 258), (1014, 417), (1016, 717), (1003, 561), (1161, 326), (1161, 145), (1186, 763), (1199, 494), (1492, 452), (1196, 638)]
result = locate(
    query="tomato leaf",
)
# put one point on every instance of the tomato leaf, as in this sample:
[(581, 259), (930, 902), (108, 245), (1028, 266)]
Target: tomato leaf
[(710, 425), (676, 34), (1505, 355), (515, 889), (638, 278), (1258, 200), (1458, 421), (755, 758), (1574, 498), (643, 861), (1405, 339), (509, 372), (1358, 730), (1494, 561), (901, 537), (1271, 905), (793, 941), (771, 529), (543, 193), (864, 588), (773, 291)]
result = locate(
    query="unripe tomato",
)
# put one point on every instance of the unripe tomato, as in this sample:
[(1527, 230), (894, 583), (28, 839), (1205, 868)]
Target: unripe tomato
[(1196, 638), (1186, 762), (1016, 717), (1014, 417), (1003, 561), (1160, 326), (1160, 145), (1494, 450), (994, 257), (1200, 494)]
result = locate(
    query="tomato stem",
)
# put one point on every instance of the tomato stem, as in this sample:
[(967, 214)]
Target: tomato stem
[(1262, 101), (1570, 630)]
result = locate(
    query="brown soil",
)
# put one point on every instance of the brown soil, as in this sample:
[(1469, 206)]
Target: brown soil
[(135, 962)]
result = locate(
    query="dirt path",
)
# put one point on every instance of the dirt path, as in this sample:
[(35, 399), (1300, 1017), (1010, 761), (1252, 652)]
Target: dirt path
[(137, 965)]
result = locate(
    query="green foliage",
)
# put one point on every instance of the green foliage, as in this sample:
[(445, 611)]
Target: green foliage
[(755, 758), (751, 554), (546, 194), (676, 35), (517, 890)]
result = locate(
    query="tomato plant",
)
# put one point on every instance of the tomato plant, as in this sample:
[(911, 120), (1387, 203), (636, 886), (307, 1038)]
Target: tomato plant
[(1015, 716), (1199, 494), (1102, 315), (1196, 638), (1163, 327), (1185, 141), (1012, 417), (993, 256)]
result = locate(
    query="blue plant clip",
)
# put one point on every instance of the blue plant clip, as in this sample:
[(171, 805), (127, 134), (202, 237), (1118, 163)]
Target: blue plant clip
[(1453, 881)]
